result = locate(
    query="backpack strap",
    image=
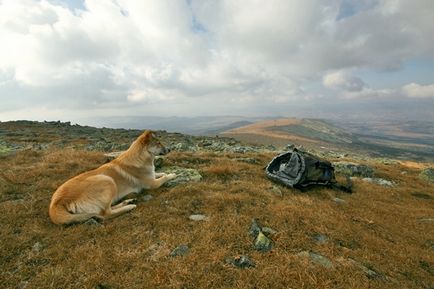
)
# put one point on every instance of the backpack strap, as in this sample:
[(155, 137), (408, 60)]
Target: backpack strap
[(348, 188)]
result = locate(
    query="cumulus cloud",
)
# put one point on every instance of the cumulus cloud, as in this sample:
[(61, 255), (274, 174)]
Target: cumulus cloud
[(415, 90), (344, 81), (134, 54)]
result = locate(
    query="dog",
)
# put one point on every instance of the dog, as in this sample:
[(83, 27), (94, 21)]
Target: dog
[(93, 194)]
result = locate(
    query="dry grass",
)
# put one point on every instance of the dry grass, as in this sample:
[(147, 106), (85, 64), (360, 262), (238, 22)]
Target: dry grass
[(376, 226)]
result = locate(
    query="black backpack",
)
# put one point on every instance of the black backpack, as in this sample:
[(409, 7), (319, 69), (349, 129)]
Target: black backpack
[(299, 170)]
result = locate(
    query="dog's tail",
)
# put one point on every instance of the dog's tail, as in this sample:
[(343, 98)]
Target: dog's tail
[(61, 216)]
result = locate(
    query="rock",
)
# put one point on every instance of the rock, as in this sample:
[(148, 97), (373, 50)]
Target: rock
[(93, 222), (184, 146), (37, 247), (338, 200), (242, 261), (426, 220), (252, 161), (379, 181), (421, 196), (268, 230), (147, 198), (353, 169), (184, 175), (319, 238), (427, 175), (317, 258), (198, 217), (370, 273), (261, 242), (276, 190), (181, 250)]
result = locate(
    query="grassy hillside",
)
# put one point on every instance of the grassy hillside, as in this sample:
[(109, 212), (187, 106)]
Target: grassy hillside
[(403, 140), (378, 237)]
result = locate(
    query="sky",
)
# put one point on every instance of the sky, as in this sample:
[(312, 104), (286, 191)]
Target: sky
[(75, 59)]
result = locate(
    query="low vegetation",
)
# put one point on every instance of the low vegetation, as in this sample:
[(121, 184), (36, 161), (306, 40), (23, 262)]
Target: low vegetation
[(377, 237)]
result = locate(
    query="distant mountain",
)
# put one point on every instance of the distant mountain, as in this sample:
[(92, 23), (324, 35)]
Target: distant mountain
[(400, 139), (202, 125)]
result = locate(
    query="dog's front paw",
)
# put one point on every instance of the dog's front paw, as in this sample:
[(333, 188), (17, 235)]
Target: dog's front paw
[(129, 201), (171, 176)]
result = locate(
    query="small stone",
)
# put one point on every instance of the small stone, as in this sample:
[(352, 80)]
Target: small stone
[(181, 250), (320, 239), (92, 222), (276, 190), (198, 217), (242, 261), (183, 175), (426, 220), (147, 198), (268, 230), (338, 200), (254, 229), (37, 247), (421, 196), (378, 181), (427, 175), (317, 258), (263, 243)]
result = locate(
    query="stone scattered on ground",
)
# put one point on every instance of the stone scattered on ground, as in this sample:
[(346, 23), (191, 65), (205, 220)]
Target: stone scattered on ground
[(261, 242), (184, 175), (426, 220), (338, 200), (198, 217), (147, 198), (379, 181), (37, 247), (422, 196), (276, 190), (157, 251), (320, 238), (353, 169), (252, 161), (370, 273), (268, 231), (93, 222), (181, 250), (427, 175), (317, 258), (242, 261)]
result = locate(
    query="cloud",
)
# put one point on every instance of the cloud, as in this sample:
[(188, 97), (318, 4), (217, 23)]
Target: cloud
[(128, 55), (344, 81), (415, 90)]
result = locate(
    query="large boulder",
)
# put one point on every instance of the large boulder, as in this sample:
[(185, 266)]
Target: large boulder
[(353, 169)]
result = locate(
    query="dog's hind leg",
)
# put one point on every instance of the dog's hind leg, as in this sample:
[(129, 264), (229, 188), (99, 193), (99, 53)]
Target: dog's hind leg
[(114, 212), (123, 203)]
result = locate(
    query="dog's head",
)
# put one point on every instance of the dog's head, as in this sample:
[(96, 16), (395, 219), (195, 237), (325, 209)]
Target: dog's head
[(150, 142)]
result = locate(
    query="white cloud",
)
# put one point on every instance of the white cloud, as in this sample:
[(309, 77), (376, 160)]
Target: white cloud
[(130, 53), (415, 90), (344, 81)]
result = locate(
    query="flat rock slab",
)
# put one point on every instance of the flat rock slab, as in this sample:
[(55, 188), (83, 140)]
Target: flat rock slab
[(317, 258), (198, 217), (184, 175)]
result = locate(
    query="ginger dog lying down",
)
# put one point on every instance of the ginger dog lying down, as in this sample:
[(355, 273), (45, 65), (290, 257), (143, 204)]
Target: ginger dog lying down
[(93, 193)]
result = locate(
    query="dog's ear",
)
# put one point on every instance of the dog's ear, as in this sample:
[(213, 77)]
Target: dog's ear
[(146, 137)]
